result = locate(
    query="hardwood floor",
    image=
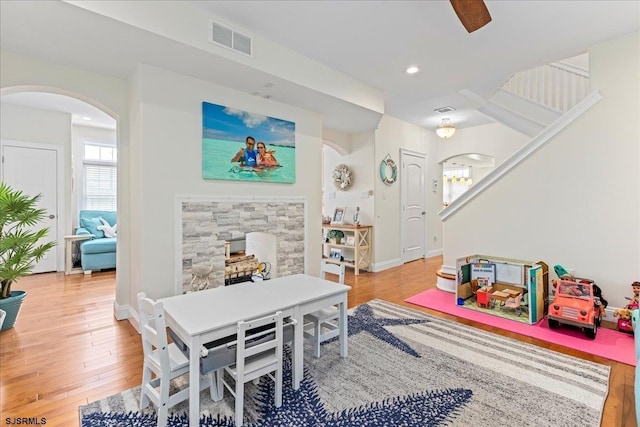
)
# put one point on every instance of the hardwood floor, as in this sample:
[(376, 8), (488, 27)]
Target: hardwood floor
[(67, 349)]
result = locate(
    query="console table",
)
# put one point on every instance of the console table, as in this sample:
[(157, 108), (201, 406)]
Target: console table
[(69, 241), (354, 249)]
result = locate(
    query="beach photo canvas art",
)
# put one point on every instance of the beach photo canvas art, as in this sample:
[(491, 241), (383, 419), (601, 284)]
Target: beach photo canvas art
[(242, 146)]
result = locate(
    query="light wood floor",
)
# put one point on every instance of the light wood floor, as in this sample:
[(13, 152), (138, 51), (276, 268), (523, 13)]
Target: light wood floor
[(67, 349)]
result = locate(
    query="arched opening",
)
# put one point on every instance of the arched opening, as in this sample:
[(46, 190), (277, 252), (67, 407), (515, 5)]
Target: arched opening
[(462, 171), (84, 133)]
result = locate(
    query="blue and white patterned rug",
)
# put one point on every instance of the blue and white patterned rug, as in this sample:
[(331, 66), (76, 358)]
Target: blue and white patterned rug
[(405, 368)]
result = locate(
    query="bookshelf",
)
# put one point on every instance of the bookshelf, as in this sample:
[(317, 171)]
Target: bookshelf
[(356, 255)]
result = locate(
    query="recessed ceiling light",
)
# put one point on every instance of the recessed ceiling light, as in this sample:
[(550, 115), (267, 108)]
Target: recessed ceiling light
[(87, 118), (412, 70)]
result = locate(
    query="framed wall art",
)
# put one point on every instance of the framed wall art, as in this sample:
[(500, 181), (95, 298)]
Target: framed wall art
[(241, 146)]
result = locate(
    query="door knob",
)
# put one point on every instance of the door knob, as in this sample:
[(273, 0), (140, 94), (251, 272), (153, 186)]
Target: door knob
[(52, 216)]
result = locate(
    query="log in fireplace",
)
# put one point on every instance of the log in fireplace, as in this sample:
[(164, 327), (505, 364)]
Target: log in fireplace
[(240, 269)]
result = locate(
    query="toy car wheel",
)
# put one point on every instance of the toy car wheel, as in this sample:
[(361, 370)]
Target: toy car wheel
[(553, 324), (591, 333), (599, 320)]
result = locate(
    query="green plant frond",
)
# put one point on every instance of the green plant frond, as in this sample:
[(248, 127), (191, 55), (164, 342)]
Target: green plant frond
[(20, 246), (16, 273)]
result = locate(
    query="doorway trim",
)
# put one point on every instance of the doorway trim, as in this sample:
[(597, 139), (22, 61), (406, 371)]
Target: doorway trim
[(61, 214), (402, 202)]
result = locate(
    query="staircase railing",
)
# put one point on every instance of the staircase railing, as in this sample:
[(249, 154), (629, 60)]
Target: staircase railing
[(558, 86)]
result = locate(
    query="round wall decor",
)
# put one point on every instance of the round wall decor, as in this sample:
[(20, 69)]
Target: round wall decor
[(388, 170), (342, 177)]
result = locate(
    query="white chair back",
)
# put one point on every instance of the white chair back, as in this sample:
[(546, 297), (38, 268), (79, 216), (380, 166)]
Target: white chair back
[(333, 268), (258, 353), (153, 331), (323, 324), (3, 314), (164, 360)]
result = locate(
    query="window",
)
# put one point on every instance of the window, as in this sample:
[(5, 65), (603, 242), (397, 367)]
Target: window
[(456, 181), (98, 189)]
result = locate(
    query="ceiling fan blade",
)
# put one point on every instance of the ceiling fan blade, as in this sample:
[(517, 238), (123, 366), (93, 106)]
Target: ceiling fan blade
[(472, 13)]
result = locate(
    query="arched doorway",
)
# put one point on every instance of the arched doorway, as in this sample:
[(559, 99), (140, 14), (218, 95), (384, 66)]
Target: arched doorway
[(462, 171), (45, 118)]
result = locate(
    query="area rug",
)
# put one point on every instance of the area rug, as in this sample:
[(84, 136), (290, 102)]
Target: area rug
[(405, 368), (610, 344)]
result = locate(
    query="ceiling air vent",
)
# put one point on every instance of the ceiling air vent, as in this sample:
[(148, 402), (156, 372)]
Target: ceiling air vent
[(225, 36), (443, 110)]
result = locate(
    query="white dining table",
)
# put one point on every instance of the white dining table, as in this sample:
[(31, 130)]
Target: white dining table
[(201, 317)]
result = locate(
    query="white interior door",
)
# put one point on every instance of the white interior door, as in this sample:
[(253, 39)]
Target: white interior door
[(34, 170), (412, 182)]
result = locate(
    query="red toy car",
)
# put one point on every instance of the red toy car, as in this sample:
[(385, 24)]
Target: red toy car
[(574, 304)]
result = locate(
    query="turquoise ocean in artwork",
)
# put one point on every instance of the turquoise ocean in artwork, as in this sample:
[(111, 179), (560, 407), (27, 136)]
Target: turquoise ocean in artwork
[(216, 163)]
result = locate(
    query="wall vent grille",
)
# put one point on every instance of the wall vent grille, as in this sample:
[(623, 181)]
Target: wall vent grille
[(229, 38)]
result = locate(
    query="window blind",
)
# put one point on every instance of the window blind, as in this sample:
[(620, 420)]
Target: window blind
[(99, 186)]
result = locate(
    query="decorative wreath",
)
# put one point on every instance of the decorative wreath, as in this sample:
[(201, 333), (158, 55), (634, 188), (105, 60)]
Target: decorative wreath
[(387, 162), (342, 177)]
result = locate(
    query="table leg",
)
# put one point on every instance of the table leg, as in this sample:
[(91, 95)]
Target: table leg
[(344, 330), (298, 348), (68, 261), (194, 381)]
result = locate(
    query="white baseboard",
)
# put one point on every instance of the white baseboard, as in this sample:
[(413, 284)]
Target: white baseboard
[(381, 266), (435, 252), (121, 312), (126, 312)]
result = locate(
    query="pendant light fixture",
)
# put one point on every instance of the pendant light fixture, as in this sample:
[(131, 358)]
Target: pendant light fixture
[(446, 129)]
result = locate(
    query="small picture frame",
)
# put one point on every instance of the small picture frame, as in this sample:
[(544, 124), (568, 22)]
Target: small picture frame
[(338, 215), (350, 241), (336, 254)]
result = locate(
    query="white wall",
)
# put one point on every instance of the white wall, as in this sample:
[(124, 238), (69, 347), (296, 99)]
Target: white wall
[(494, 139), (167, 162), (359, 160), (22, 73), (46, 127), (576, 201), (392, 135)]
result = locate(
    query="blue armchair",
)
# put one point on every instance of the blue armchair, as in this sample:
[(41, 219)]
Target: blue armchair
[(100, 252)]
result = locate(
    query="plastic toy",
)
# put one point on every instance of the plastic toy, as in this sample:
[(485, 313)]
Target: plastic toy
[(624, 314), (574, 304), (636, 293), (624, 322), (600, 302)]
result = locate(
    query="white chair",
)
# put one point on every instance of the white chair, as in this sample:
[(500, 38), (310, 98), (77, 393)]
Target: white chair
[(161, 359), (322, 325), (258, 353), (3, 314)]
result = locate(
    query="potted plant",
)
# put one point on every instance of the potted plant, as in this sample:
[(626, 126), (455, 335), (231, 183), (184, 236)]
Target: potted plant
[(335, 236), (20, 249)]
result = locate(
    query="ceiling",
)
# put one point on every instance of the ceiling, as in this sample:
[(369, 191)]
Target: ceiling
[(371, 41), (81, 113)]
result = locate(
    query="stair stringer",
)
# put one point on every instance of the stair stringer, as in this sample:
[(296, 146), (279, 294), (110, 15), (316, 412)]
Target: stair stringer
[(522, 154)]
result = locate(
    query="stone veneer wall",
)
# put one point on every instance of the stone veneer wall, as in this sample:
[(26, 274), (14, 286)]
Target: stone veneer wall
[(206, 224)]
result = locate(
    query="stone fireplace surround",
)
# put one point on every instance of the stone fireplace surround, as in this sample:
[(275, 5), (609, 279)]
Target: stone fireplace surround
[(207, 223)]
